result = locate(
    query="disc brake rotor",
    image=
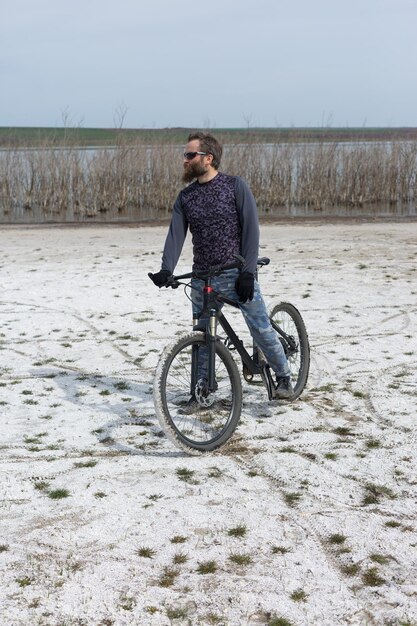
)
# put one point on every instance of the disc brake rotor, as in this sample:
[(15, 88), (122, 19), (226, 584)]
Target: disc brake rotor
[(202, 393)]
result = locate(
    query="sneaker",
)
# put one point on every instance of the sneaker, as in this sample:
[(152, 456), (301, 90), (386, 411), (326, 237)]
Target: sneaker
[(193, 407), (283, 388), (190, 407)]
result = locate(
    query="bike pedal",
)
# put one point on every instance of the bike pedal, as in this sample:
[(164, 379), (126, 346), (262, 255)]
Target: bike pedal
[(229, 344), (247, 375)]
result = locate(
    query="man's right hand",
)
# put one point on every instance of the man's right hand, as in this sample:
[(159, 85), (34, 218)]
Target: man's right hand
[(160, 279)]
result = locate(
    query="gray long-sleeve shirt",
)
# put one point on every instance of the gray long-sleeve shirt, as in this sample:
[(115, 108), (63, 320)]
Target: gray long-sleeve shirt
[(223, 220)]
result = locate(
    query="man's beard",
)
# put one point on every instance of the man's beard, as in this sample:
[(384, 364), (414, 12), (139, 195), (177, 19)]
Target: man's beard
[(193, 170)]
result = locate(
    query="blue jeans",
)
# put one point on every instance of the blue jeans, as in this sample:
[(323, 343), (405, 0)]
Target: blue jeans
[(255, 314)]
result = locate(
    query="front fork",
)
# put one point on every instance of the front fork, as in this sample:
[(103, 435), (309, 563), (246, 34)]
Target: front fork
[(211, 337), (210, 331)]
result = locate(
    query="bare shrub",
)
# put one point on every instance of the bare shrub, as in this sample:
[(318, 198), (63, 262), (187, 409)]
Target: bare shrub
[(132, 176)]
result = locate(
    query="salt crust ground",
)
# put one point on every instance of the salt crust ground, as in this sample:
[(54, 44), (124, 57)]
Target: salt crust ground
[(81, 329)]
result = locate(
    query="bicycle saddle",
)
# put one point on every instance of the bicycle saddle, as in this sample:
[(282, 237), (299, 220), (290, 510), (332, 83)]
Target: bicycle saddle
[(263, 260)]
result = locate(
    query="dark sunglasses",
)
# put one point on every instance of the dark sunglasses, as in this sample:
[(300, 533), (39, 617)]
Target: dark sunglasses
[(189, 156)]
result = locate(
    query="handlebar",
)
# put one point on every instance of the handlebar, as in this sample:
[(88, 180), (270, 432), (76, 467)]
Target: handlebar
[(215, 270)]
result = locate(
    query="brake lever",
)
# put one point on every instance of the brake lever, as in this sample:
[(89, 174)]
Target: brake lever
[(172, 282)]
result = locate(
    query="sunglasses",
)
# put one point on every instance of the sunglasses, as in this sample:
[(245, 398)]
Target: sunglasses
[(189, 156)]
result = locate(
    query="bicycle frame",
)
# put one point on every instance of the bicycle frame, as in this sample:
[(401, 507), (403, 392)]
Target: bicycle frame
[(212, 312), (207, 321)]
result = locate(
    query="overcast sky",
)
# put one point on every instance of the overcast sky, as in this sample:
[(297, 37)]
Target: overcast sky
[(218, 63)]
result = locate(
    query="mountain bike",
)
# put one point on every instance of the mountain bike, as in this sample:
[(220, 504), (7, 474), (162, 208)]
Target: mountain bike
[(197, 388)]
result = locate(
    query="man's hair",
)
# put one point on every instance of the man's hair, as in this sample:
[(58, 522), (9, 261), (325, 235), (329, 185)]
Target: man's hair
[(209, 144)]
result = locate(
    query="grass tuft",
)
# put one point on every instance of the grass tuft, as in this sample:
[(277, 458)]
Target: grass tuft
[(180, 558), (292, 497), (343, 431), (41, 485), (392, 524), (381, 559), (24, 581), (351, 569), (184, 474), (168, 576), (238, 531), (90, 463), (279, 550), (176, 613), (298, 595), (371, 578), (147, 553), (122, 386), (374, 493), (279, 621), (207, 567), (178, 539), (240, 559), (372, 443), (336, 539), (58, 494)]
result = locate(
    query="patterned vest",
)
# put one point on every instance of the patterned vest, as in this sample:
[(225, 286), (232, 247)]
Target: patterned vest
[(213, 219)]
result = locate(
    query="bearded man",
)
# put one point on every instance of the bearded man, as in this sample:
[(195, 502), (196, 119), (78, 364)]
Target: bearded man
[(221, 214)]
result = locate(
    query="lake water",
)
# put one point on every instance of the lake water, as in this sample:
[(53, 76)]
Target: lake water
[(134, 215)]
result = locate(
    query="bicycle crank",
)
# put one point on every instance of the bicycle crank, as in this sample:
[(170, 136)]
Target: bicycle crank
[(268, 382)]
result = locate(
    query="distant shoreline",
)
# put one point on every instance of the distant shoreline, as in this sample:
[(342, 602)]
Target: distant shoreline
[(264, 221), (27, 136)]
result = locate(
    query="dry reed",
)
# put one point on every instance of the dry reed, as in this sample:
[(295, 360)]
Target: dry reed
[(67, 180)]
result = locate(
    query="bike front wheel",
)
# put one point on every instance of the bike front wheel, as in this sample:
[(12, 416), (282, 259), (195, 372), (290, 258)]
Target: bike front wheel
[(194, 421), (292, 333)]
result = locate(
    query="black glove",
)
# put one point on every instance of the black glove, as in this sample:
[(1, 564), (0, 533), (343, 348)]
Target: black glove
[(160, 279), (244, 286)]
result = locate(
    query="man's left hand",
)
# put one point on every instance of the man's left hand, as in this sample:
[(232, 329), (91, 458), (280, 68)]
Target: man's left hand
[(245, 285)]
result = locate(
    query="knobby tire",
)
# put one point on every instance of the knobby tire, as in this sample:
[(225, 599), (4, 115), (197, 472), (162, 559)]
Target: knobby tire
[(205, 428)]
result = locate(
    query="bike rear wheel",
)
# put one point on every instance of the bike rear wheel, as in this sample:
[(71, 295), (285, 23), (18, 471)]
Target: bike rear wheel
[(289, 324), (196, 425)]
